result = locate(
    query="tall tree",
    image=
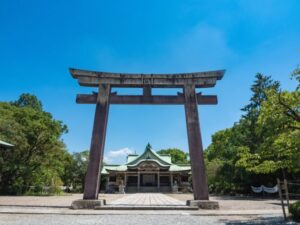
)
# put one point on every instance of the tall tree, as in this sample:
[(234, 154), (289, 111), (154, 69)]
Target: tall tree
[(251, 138), (38, 155), (280, 120), (229, 145)]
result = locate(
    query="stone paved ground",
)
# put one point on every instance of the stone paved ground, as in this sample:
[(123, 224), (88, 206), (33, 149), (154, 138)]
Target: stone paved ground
[(50, 201), (181, 219), (142, 199), (237, 203), (54, 210), (226, 203)]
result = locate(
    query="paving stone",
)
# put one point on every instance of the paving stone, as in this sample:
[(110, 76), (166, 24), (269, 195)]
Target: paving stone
[(147, 199)]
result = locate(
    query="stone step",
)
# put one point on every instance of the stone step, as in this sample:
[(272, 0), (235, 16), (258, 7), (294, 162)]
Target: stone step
[(145, 207)]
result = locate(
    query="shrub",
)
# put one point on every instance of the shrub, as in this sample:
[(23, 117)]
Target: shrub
[(294, 209), (55, 190)]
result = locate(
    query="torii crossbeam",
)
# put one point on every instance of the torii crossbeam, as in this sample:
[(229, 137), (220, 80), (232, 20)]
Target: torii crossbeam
[(189, 98)]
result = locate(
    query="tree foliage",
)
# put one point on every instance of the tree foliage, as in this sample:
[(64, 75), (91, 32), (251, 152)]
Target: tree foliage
[(296, 76), (28, 100), (280, 123), (78, 168), (177, 156), (38, 156), (264, 143)]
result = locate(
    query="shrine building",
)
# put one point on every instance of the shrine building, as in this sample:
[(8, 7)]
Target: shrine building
[(148, 172)]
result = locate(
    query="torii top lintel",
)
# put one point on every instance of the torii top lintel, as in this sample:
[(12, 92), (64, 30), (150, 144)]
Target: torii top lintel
[(199, 79)]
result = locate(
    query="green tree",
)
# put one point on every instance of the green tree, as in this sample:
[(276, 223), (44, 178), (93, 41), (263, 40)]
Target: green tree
[(229, 145), (296, 76), (79, 169), (221, 157), (28, 100), (177, 156), (251, 138), (280, 149), (38, 156)]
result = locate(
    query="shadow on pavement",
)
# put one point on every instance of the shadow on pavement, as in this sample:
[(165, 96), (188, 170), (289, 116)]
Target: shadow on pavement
[(256, 221)]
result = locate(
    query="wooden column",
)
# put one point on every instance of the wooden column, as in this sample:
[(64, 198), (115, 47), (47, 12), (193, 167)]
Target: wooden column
[(107, 182), (138, 182), (200, 187), (158, 181), (92, 178)]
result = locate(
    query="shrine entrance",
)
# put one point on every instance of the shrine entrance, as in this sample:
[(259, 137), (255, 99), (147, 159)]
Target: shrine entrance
[(148, 180), (188, 97)]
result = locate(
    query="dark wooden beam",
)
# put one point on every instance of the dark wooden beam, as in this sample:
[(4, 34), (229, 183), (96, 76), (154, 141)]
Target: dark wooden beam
[(150, 100), (94, 78), (92, 177), (147, 91), (200, 188)]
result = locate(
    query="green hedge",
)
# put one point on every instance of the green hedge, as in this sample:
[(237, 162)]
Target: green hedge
[(294, 209)]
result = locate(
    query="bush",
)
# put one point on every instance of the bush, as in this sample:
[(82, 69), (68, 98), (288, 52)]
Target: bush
[(294, 209), (55, 190)]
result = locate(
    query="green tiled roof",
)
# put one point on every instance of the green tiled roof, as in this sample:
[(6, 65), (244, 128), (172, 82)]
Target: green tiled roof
[(118, 168), (148, 155), (131, 157)]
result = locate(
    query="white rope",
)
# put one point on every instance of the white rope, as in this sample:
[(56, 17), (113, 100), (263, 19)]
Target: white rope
[(265, 189), (257, 189), (270, 190)]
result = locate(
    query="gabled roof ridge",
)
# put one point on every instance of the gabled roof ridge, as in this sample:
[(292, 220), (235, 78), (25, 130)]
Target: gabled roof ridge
[(153, 152)]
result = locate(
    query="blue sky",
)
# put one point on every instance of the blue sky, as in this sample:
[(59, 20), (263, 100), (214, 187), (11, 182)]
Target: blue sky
[(40, 40)]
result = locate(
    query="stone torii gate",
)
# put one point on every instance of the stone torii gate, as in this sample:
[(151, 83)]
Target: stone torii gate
[(105, 81)]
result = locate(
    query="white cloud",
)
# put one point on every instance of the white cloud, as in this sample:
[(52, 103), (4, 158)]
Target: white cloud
[(107, 160), (120, 152), (117, 155)]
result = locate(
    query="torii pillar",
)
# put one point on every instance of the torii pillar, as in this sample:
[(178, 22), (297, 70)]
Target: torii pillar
[(92, 177), (200, 187)]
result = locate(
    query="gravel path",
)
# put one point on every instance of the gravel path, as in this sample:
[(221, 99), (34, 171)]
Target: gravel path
[(30, 210), (18, 219)]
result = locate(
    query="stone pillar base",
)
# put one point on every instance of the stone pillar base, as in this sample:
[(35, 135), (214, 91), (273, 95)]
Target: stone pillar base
[(203, 204), (87, 204)]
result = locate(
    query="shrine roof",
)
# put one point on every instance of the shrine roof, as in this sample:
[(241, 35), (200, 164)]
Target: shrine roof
[(149, 154), (133, 161)]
